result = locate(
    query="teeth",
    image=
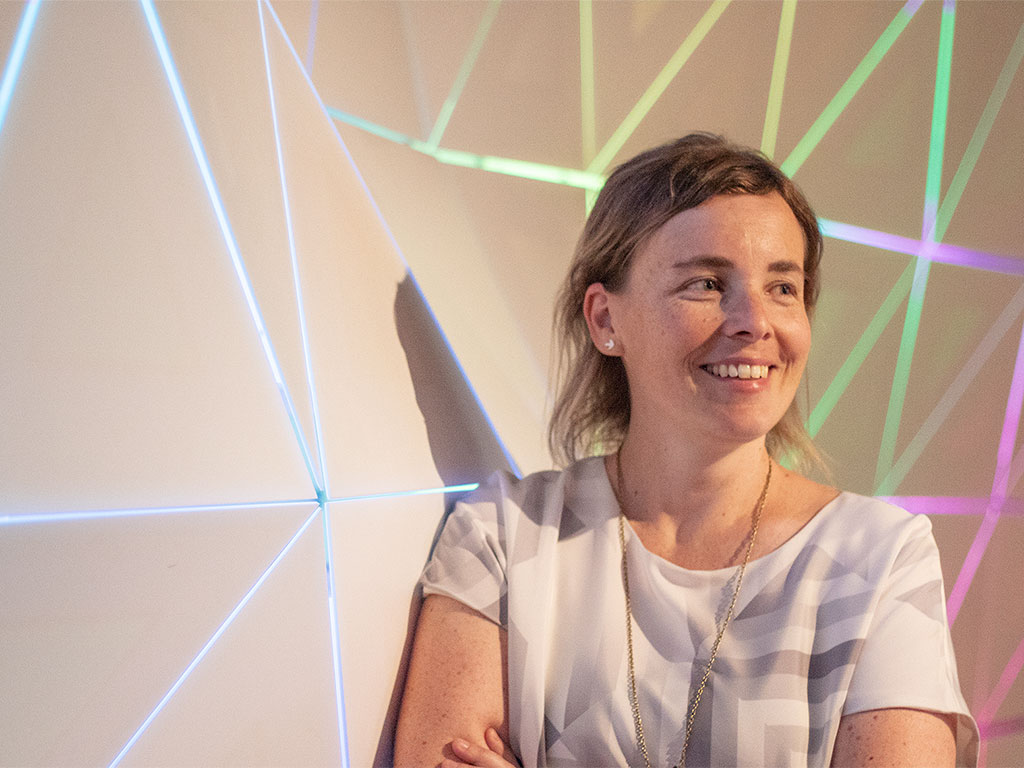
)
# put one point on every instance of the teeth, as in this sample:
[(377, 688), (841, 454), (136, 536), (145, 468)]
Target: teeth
[(741, 371)]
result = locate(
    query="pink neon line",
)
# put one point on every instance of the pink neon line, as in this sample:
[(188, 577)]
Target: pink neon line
[(938, 252), (955, 505), (1007, 440), (997, 729), (1006, 680)]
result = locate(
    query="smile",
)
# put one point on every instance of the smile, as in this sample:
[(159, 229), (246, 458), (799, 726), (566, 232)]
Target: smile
[(741, 371)]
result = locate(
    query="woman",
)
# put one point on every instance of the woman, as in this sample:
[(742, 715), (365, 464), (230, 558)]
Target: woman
[(684, 599)]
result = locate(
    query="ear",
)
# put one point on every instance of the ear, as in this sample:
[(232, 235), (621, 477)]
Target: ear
[(597, 311)]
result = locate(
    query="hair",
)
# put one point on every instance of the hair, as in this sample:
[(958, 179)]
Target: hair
[(592, 400)]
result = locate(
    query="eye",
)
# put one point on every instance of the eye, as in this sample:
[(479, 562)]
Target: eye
[(703, 285), (787, 290)]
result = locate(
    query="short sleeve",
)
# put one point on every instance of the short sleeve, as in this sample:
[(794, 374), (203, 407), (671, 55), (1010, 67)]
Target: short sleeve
[(907, 657), (469, 561)]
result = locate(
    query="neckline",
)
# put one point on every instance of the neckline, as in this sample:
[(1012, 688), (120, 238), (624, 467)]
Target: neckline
[(796, 541)]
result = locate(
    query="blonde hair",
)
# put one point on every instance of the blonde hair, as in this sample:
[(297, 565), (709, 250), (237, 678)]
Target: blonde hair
[(591, 410)]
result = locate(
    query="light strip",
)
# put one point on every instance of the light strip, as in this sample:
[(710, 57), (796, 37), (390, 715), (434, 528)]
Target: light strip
[(30, 518), (296, 282), (210, 643), (314, 14), (774, 111), (394, 243), (963, 506), (1006, 680), (639, 111), (588, 112), (16, 58), (966, 375), (981, 131), (1004, 457), (860, 352), (849, 89), (229, 238), (938, 252), (922, 266), (468, 62), (465, 487), (332, 611)]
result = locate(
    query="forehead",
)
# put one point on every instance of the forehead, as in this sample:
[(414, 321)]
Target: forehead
[(744, 229)]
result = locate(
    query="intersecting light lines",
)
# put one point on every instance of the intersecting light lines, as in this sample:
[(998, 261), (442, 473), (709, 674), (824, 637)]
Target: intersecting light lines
[(774, 111), (849, 89), (216, 636), (463, 75), (17, 57), (394, 242), (33, 518), (229, 238), (643, 105), (322, 488)]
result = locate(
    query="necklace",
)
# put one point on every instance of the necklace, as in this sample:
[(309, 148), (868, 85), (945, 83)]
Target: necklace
[(638, 724)]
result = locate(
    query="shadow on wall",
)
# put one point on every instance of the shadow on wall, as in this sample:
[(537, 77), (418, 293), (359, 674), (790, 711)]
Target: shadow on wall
[(462, 444)]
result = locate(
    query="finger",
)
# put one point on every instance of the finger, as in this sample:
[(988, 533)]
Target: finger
[(476, 755), (494, 742)]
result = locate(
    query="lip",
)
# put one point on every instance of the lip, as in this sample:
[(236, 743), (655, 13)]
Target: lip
[(756, 383)]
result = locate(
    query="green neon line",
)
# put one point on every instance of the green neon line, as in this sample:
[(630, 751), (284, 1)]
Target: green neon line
[(774, 112), (589, 200), (639, 111), (860, 351), (848, 90), (968, 372), (915, 304), (468, 61), (588, 120), (366, 125), (980, 135)]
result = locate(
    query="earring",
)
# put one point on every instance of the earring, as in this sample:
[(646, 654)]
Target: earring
[(610, 344)]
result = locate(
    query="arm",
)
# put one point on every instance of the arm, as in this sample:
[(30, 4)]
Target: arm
[(895, 737), (456, 686)]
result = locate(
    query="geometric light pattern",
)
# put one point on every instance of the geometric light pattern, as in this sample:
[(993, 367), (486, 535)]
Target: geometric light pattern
[(278, 285)]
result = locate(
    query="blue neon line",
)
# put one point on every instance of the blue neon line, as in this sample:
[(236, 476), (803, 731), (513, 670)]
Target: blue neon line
[(311, 44), (105, 514), (209, 643), (394, 243), (229, 238), (332, 610), (400, 494), (17, 57), (286, 201)]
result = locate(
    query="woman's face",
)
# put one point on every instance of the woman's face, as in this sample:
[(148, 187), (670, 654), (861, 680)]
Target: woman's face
[(711, 324)]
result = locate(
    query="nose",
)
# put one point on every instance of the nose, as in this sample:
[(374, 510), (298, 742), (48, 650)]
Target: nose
[(746, 315)]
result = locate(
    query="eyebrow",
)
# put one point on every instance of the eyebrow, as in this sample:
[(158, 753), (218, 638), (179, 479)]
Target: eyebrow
[(718, 262)]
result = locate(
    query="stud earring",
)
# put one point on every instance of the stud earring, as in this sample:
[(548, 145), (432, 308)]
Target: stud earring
[(610, 344)]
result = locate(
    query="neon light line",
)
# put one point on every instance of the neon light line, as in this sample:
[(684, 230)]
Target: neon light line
[(860, 352), (998, 729), (588, 111), (639, 111), (210, 643), (30, 518), (391, 237), (225, 226), (774, 112), (1004, 456), (16, 58), (938, 252), (399, 494), (974, 365), (963, 506), (332, 610), (922, 266), (978, 138), (849, 89), (296, 282), (468, 62), (314, 13)]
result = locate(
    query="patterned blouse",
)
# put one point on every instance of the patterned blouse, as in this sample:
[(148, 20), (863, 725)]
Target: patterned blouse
[(847, 615)]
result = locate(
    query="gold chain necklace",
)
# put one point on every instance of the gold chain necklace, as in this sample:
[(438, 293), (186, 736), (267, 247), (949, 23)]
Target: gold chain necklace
[(638, 724)]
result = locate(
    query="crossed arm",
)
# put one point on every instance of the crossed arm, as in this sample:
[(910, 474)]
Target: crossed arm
[(456, 694)]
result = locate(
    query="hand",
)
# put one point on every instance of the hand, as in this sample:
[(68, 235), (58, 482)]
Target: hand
[(470, 755)]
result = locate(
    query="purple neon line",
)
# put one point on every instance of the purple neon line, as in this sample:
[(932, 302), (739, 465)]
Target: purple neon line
[(938, 252), (998, 729), (310, 46), (1004, 456), (953, 505), (1006, 680)]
